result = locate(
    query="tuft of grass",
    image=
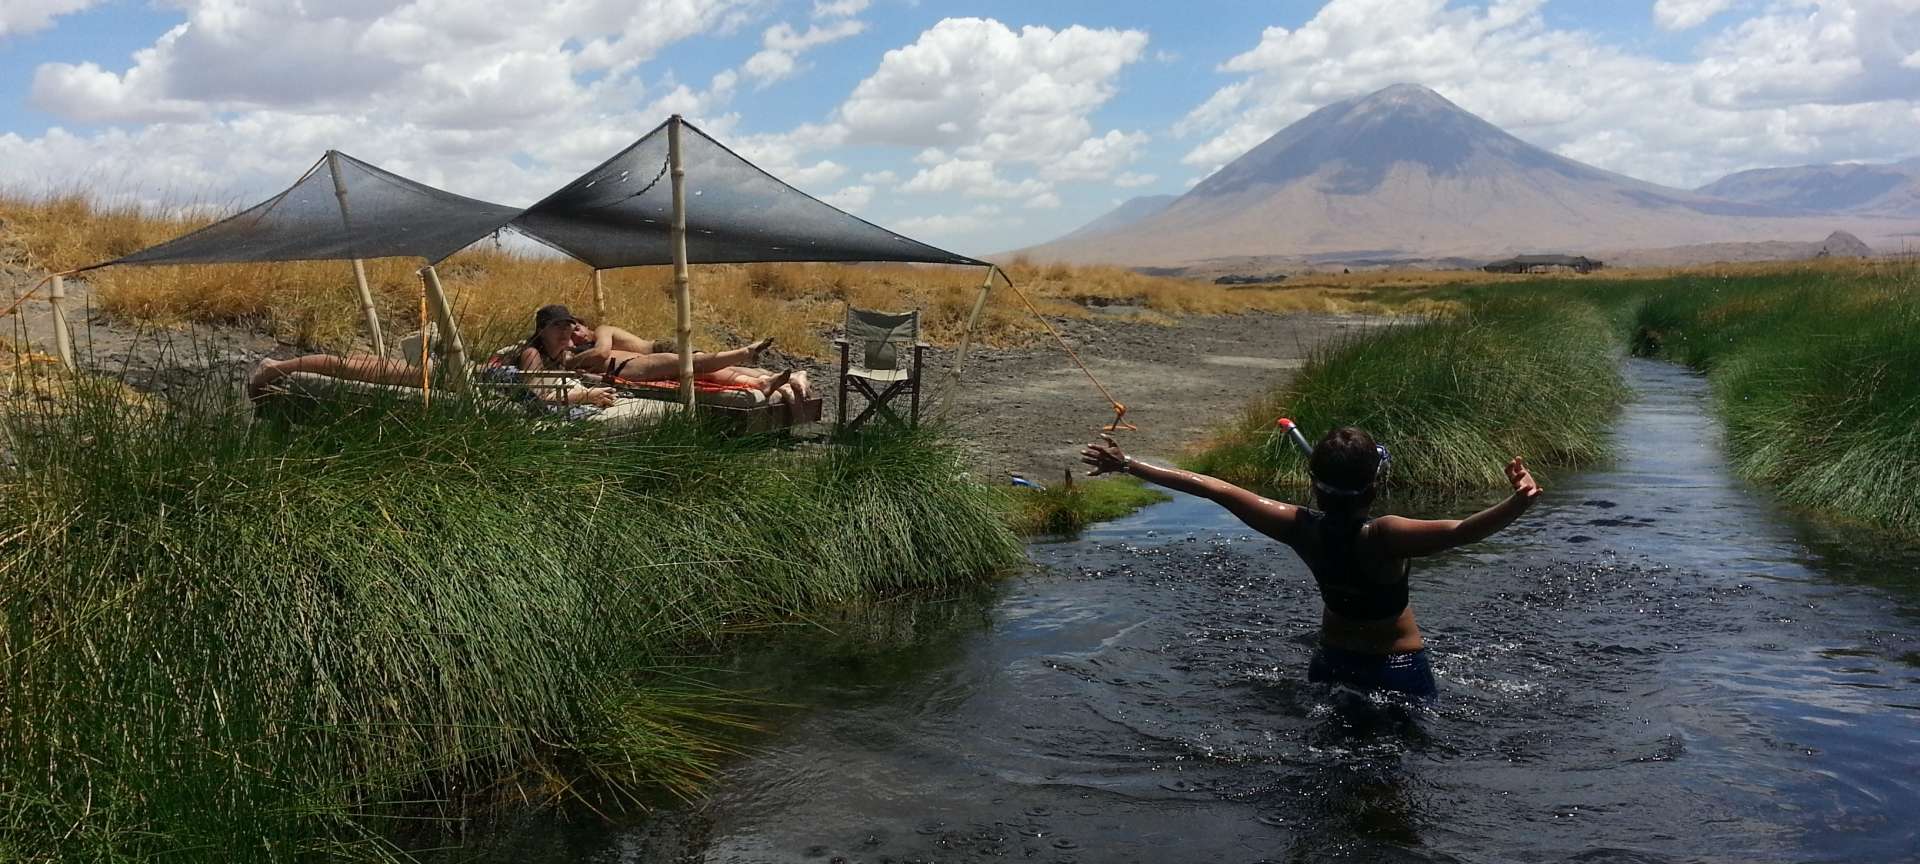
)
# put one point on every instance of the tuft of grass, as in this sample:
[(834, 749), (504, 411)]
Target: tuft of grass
[(1065, 509), (251, 641), (1453, 398)]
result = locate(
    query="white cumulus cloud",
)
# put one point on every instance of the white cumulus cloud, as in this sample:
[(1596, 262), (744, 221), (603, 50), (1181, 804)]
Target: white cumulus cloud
[(1836, 52), (19, 17), (240, 97), (973, 178), (780, 57), (975, 221), (851, 199), (1098, 157), (1686, 14), (982, 90), (839, 8)]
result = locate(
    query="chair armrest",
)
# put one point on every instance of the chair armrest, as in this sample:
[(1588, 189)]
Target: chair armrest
[(841, 340), (922, 345)]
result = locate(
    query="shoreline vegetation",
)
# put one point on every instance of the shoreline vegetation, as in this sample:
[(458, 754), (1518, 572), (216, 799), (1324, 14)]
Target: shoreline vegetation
[(1816, 374), (239, 641), (1813, 367)]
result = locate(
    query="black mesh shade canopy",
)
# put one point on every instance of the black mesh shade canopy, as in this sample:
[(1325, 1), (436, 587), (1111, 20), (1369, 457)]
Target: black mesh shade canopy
[(620, 214), (381, 215)]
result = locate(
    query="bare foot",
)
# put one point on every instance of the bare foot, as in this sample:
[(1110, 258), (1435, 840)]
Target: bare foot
[(264, 374)]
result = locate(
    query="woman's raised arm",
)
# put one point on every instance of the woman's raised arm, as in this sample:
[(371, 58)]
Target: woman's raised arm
[(1272, 518), (1412, 538)]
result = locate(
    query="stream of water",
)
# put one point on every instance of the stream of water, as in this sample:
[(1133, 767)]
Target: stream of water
[(1654, 665)]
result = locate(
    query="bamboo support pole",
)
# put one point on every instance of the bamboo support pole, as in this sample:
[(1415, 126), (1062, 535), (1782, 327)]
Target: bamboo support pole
[(62, 337), (950, 385), (682, 296), (599, 299), (453, 352), (359, 267)]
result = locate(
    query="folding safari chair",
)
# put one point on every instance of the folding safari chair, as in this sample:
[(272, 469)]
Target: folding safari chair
[(879, 376)]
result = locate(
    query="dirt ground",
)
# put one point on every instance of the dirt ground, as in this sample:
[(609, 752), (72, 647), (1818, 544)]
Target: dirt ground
[(1028, 410), (1032, 410)]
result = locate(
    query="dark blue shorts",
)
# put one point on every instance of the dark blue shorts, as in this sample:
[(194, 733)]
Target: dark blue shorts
[(1408, 674)]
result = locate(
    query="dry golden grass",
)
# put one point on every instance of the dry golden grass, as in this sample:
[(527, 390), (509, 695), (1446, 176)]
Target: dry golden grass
[(801, 305), (313, 303)]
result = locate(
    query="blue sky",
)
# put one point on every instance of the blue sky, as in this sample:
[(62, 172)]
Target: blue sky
[(888, 107)]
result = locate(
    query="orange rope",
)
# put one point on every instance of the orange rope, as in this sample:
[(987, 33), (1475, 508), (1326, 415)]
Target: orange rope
[(426, 374), (31, 291), (1119, 410)]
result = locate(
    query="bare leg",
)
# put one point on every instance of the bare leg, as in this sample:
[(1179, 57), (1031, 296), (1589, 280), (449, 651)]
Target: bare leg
[(738, 376), (801, 387), (634, 366), (362, 367)]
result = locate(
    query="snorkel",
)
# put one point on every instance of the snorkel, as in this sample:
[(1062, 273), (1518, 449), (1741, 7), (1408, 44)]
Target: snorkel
[(1293, 434)]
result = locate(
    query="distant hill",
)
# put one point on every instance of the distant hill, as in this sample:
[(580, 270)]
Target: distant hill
[(1839, 244), (1404, 173), (1878, 190)]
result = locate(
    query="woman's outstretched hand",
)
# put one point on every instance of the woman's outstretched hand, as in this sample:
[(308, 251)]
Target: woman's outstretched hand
[(1522, 480), (1105, 458)]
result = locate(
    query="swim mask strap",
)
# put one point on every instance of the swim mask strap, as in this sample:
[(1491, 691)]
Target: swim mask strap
[(1379, 475)]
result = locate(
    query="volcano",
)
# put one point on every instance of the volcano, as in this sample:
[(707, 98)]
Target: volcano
[(1405, 173)]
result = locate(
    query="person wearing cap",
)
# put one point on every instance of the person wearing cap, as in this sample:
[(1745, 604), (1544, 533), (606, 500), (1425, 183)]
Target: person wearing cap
[(1369, 640)]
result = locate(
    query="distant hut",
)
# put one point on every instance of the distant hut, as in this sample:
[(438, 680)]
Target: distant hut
[(1543, 264)]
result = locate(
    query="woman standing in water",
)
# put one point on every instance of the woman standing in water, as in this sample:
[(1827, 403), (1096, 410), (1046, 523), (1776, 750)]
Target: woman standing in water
[(1368, 638)]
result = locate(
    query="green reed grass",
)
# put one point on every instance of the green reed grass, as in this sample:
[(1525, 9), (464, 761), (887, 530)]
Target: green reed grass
[(242, 641), (1065, 509), (1453, 398), (1815, 373), (1817, 376)]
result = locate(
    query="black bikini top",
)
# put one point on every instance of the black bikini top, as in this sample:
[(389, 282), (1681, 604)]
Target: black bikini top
[(1337, 569)]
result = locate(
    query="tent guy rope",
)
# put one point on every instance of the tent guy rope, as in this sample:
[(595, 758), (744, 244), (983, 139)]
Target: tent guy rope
[(1119, 410)]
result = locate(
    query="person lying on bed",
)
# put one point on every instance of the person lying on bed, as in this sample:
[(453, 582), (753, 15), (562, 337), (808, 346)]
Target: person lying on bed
[(561, 341), (381, 370), (606, 337)]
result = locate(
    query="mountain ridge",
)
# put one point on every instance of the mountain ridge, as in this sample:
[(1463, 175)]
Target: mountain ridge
[(1879, 189), (1404, 172)]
